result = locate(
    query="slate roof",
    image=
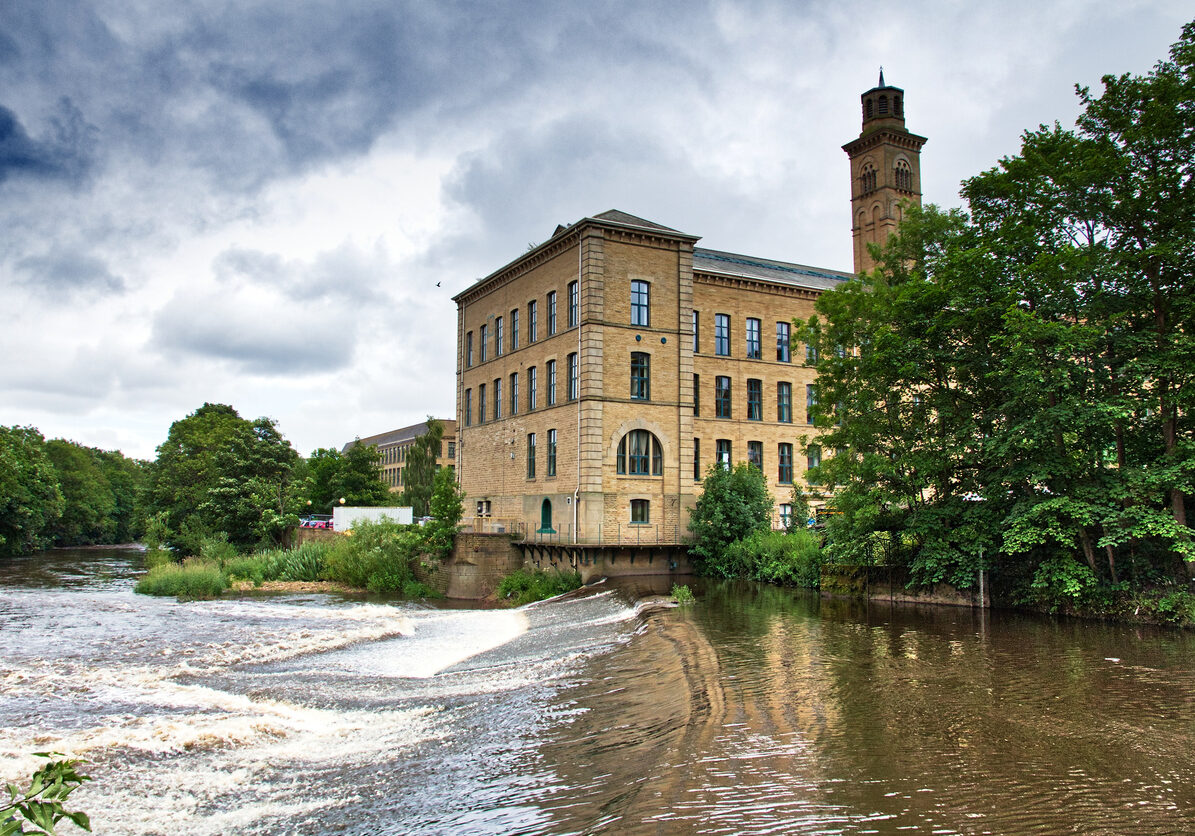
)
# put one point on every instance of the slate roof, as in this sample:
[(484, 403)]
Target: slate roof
[(627, 219), (735, 265), (394, 436)]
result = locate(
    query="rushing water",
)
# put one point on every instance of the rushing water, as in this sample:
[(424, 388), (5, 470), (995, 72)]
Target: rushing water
[(757, 710)]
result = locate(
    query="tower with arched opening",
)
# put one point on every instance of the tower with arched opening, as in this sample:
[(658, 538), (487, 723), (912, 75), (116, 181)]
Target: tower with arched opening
[(885, 170)]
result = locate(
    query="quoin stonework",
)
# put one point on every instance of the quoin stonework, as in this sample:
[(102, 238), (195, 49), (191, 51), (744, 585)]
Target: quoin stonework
[(602, 373)]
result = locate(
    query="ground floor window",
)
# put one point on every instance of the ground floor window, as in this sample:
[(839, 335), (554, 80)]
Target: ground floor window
[(786, 515), (640, 511)]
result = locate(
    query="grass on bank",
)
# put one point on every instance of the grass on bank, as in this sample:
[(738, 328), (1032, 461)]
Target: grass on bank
[(523, 586), (380, 557)]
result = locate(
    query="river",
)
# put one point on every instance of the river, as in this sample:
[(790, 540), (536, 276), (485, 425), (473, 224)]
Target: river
[(755, 710)]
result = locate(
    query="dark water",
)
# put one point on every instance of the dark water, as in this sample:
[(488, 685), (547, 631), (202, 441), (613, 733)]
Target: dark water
[(757, 710)]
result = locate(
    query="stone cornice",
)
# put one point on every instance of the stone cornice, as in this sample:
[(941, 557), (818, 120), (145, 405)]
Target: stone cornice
[(902, 139), (566, 240), (741, 282)]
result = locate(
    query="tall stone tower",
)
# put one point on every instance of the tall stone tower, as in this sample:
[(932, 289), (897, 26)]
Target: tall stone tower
[(885, 170)]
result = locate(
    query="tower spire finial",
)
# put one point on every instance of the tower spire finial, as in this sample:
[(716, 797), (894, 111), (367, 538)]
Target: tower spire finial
[(881, 84)]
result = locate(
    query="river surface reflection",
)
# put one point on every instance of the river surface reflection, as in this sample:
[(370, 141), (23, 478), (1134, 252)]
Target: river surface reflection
[(756, 710)]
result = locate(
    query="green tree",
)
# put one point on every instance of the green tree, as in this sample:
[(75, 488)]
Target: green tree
[(88, 514), (447, 506), (1016, 385), (354, 475), (217, 472), (734, 503), (420, 472), (30, 501)]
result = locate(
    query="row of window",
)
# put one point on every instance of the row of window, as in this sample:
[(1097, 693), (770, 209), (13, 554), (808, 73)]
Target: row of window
[(754, 339), (784, 399), (902, 177), (394, 476), (724, 456), (490, 401), (503, 339), (398, 454)]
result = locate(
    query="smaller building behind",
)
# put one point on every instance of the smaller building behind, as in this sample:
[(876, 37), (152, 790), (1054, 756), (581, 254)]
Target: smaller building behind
[(393, 446)]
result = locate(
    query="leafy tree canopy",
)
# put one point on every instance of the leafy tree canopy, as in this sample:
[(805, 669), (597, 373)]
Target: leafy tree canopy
[(218, 472), (734, 503), (420, 472), (30, 500), (1014, 386), (354, 475)]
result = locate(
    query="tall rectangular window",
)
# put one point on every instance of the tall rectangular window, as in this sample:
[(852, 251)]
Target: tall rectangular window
[(497, 398), (813, 459), (723, 456), (551, 452), (784, 402), (532, 321), (697, 460), (499, 337), (531, 386), (640, 376), (530, 455), (810, 403), (696, 395), (573, 379), (469, 350), (481, 404), (696, 332), (755, 454), (484, 335), (753, 349), (641, 304), (468, 407), (551, 383), (574, 304), (721, 396), (551, 313), (810, 355), (452, 450), (514, 329), (722, 335), (640, 511), (754, 400), (786, 516), (785, 474), (514, 393), (783, 346)]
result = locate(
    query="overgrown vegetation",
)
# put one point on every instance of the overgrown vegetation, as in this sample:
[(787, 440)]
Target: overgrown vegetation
[(523, 586), (192, 579), (779, 557), (41, 804), (1012, 389), (682, 594)]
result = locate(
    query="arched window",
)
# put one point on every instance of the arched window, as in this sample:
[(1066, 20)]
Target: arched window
[(640, 454), (867, 178), (903, 176), (883, 105)]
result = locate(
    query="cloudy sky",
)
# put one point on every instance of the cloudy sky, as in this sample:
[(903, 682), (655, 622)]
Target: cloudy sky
[(252, 202)]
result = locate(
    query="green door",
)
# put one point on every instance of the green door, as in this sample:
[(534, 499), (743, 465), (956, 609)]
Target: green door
[(545, 518)]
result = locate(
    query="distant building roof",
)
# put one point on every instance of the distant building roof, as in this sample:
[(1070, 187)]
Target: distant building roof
[(618, 217), (398, 436), (749, 267)]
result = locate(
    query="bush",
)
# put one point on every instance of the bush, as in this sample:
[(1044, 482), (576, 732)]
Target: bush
[(194, 578), (303, 563), (522, 586), (1060, 582), (682, 594), (1177, 607), (257, 568), (158, 557), (375, 555), (786, 559), (733, 505)]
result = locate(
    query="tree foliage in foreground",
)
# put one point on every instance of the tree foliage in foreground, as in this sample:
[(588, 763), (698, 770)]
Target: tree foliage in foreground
[(354, 476), (734, 504), (420, 472), (218, 472), (30, 500), (1014, 387)]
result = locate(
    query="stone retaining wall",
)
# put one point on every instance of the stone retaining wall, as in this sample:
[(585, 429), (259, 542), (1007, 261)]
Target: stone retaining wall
[(890, 583)]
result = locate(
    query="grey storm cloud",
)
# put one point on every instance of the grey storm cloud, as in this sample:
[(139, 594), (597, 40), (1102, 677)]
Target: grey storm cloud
[(65, 152), (253, 91), (63, 273)]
